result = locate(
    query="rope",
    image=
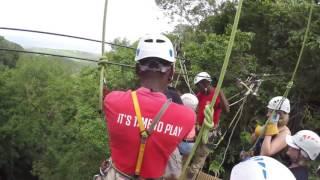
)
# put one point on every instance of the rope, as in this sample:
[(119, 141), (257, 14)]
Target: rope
[(183, 68), (185, 76), (290, 83), (230, 124), (234, 127), (234, 103), (234, 96), (103, 65), (222, 74), (178, 78)]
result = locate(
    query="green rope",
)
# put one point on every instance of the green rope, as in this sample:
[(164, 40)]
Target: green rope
[(204, 129), (103, 67), (290, 83)]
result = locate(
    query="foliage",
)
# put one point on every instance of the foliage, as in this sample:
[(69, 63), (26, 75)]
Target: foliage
[(268, 42), (49, 124), (49, 120), (121, 77), (8, 58), (187, 11)]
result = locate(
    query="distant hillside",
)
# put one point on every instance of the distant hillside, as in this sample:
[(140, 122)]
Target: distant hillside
[(9, 58), (64, 52)]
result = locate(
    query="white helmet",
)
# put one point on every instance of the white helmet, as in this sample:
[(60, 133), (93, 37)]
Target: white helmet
[(275, 102), (261, 168), (201, 76), (155, 46), (190, 100), (306, 140)]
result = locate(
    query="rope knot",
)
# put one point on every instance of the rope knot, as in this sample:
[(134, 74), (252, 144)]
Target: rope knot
[(103, 61), (207, 123), (290, 84)]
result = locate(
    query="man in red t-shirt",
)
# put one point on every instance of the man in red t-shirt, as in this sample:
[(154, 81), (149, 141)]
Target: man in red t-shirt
[(205, 95), (206, 92), (155, 68)]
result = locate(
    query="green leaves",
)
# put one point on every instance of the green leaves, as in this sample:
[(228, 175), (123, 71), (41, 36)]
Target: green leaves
[(49, 118), (9, 58)]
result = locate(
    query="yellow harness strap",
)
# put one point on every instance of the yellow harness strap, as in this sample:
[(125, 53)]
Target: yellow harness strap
[(143, 133)]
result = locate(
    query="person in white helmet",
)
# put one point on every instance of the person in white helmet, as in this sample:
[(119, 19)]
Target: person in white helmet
[(273, 141), (205, 94), (141, 149), (173, 169), (261, 168), (192, 102), (303, 147)]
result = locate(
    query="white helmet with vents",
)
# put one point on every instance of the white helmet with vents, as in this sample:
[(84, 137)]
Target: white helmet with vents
[(155, 46), (201, 76), (306, 140), (275, 103), (261, 168)]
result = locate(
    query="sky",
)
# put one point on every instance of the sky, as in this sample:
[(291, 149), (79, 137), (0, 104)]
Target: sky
[(129, 19)]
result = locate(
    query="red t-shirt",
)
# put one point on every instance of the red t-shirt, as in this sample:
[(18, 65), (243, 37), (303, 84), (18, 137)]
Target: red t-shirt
[(203, 101), (124, 134)]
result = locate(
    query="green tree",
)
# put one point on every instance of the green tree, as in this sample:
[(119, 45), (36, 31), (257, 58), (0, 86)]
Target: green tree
[(8, 58), (268, 42)]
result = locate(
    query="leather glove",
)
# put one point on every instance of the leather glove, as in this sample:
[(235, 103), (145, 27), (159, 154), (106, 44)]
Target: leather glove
[(258, 130), (272, 126)]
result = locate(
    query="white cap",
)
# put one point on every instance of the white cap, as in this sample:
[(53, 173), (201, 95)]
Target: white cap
[(155, 46), (306, 140), (190, 100), (261, 168), (275, 103), (201, 76)]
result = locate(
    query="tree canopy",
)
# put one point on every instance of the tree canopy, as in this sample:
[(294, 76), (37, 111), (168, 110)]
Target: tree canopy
[(50, 125)]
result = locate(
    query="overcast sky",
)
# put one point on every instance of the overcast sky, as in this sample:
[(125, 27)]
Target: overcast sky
[(129, 19)]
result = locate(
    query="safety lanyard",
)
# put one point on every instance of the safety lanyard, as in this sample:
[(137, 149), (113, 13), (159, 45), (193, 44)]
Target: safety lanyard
[(144, 134)]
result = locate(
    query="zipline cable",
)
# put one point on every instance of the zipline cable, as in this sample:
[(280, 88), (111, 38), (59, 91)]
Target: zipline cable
[(82, 38), (72, 57), (64, 56), (64, 35), (222, 74)]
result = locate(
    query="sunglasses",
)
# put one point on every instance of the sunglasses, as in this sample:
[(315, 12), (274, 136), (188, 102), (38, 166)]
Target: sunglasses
[(154, 66)]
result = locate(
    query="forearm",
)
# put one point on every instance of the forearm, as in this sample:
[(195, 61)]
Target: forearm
[(224, 102), (266, 146)]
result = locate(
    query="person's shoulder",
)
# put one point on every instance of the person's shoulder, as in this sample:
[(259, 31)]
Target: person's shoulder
[(200, 96), (285, 131), (184, 111), (117, 95)]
